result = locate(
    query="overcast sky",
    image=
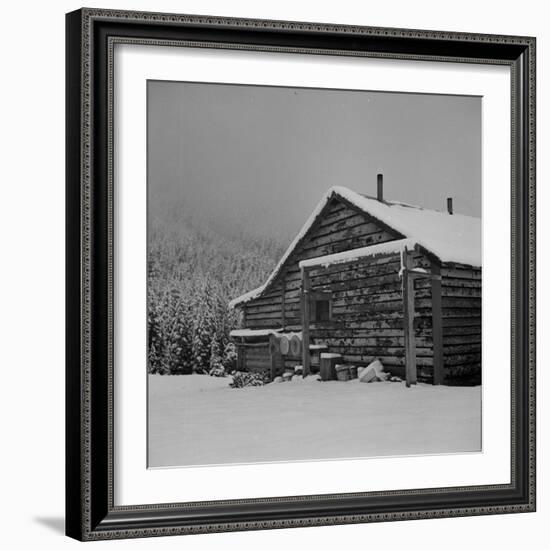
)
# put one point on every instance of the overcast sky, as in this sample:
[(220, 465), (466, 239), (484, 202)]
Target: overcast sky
[(261, 157)]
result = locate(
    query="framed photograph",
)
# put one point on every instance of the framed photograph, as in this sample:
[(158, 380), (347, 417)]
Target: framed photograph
[(300, 274)]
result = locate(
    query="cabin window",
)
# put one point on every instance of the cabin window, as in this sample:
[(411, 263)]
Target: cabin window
[(320, 307), (322, 311)]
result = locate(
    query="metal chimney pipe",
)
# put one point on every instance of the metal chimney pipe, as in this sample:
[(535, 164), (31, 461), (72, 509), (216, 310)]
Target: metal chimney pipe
[(380, 187), (450, 205)]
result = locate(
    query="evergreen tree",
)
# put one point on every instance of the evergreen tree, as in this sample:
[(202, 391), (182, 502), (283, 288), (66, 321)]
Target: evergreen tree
[(193, 272)]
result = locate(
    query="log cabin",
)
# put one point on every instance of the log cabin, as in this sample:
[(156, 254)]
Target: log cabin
[(368, 279)]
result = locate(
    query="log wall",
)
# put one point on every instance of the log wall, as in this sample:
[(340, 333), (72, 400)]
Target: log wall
[(339, 228), (367, 314), (461, 312), (367, 307)]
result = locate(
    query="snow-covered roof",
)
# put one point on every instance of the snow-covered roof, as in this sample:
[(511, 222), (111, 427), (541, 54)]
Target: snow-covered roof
[(451, 238), (390, 247)]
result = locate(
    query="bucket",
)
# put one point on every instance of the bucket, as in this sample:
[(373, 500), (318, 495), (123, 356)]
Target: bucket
[(284, 344), (342, 373), (327, 362), (296, 345)]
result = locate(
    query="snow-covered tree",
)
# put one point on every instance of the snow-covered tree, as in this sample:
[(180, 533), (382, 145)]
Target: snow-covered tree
[(193, 273)]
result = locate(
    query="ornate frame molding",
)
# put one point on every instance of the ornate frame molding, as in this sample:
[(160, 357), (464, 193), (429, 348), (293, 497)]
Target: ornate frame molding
[(91, 36)]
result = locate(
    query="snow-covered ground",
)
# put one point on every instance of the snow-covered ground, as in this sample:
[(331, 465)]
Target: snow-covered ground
[(198, 419)]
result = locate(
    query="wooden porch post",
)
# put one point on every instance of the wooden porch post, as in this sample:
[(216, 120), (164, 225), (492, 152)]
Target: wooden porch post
[(305, 305), (437, 325), (408, 319)]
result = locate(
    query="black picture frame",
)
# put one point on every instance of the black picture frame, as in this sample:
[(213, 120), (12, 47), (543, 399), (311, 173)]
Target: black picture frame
[(90, 511)]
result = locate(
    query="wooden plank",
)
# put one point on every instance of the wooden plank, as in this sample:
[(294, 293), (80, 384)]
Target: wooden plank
[(346, 244), (379, 351), (275, 317), (368, 299), (465, 313), (340, 235), (462, 359), (467, 347), (366, 308), (408, 316), (352, 339), (345, 221), (462, 322), (305, 322), (368, 291), (452, 292), (386, 361), (368, 268), (341, 216), (465, 334), (463, 302), (437, 326), (255, 310), (460, 273)]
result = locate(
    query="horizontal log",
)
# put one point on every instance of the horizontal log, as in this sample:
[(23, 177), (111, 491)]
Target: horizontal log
[(461, 339), (361, 332), (386, 361), (271, 308), (350, 318), (366, 325), (367, 267), (345, 244), (264, 301), (473, 365), (458, 273), (460, 313), (382, 351), (368, 299), (341, 215), (334, 235), (462, 359), (454, 302), (461, 283), (358, 288), (387, 307), (451, 291), (457, 349), (346, 271), (389, 342), (264, 315), (468, 321), (374, 282), (462, 332), (346, 220)]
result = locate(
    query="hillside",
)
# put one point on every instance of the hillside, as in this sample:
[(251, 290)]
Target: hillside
[(194, 270)]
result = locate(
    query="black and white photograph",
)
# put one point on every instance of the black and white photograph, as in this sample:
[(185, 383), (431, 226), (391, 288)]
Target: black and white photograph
[(270, 275), (314, 274)]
